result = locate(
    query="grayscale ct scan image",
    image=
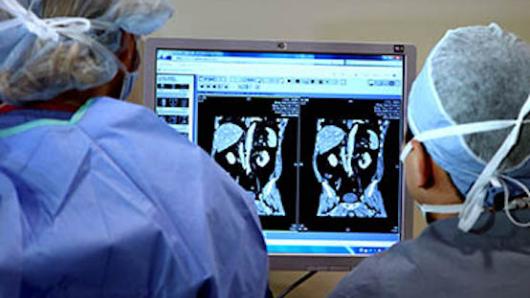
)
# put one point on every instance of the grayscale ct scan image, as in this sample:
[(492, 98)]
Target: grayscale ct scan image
[(250, 149), (348, 163)]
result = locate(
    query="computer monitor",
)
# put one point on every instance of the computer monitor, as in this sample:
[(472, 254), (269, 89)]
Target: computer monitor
[(312, 130)]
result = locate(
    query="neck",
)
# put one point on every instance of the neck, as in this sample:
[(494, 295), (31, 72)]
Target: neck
[(440, 216)]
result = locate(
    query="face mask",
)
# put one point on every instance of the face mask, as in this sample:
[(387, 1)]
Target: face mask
[(473, 206), (128, 83)]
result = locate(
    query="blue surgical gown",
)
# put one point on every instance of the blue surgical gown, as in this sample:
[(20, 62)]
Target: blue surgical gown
[(111, 202), (443, 262)]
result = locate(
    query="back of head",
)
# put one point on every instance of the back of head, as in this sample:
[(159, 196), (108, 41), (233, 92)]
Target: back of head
[(474, 74), (52, 46), (483, 73)]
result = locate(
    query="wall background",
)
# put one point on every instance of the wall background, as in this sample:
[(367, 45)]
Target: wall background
[(420, 22)]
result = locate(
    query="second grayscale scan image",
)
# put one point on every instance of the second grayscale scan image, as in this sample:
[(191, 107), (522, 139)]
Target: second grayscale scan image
[(348, 163)]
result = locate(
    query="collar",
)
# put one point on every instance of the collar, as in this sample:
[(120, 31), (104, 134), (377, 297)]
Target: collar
[(6, 109), (52, 105)]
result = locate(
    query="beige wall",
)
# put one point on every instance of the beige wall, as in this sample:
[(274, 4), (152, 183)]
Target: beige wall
[(420, 22)]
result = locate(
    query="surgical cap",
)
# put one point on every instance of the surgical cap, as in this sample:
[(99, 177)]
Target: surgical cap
[(51, 46), (474, 74)]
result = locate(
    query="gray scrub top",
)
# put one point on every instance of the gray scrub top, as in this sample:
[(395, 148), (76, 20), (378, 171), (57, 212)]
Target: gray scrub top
[(492, 261)]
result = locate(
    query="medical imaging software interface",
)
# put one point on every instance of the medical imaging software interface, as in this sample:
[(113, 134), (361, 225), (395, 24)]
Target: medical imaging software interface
[(313, 138)]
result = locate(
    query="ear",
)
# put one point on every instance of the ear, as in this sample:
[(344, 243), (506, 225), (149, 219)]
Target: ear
[(128, 54), (420, 166)]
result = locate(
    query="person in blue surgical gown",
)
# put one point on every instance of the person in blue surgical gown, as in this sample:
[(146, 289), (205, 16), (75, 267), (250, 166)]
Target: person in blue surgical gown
[(98, 197), (468, 169)]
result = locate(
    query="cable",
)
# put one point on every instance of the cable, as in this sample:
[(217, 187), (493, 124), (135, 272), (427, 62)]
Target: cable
[(295, 284)]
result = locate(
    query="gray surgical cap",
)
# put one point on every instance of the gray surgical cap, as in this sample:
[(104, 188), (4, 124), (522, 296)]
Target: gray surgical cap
[(474, 74), (48, 47)]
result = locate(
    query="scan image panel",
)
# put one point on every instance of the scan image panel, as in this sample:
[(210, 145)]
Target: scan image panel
[(250, 149), (348, 164)]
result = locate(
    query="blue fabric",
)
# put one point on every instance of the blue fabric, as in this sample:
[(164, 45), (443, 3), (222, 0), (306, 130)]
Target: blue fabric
[(118, 205), (11, 241), (19, 117)]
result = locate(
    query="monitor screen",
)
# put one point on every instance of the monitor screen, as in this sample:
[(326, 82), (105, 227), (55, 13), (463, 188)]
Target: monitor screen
[(313, 137)]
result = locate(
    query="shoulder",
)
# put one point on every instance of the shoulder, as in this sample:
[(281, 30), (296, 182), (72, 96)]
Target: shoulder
[(147, 147), (106, 102), (106, 119), (115, 112), (389, 273), (150, 151), (378, 276)]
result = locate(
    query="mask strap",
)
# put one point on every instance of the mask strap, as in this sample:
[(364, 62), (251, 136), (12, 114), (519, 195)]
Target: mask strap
[(449, 208), (473, 205), (444, 209), (459, 130), (507, 206)]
